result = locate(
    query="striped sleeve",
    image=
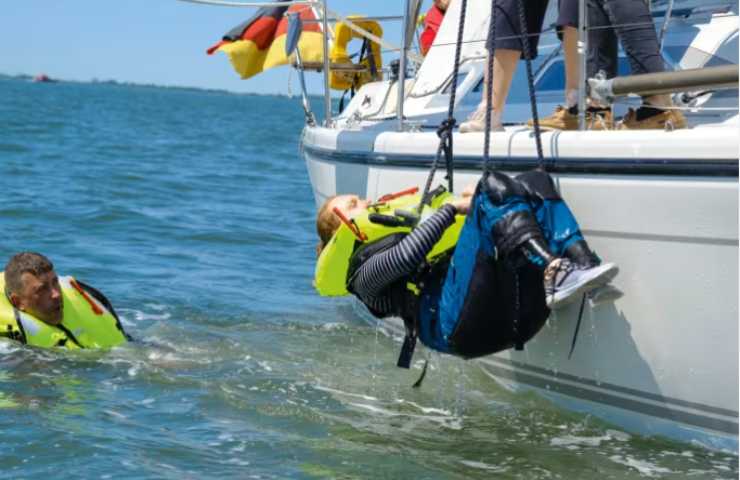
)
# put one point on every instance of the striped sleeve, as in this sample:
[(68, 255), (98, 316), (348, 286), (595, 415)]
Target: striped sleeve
[(384, 268)]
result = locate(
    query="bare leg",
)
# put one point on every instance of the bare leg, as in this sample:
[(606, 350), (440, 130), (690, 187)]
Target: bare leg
[(570, 48), (504, 66)]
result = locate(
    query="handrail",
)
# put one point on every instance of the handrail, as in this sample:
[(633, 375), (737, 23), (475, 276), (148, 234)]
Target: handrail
[(720, 77)]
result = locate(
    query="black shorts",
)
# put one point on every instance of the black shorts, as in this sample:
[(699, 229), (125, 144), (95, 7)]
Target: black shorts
[(507, 22), (567, 13), (508, 31)]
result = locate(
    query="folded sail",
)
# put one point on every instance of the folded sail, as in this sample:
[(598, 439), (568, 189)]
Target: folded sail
[(259, 43)]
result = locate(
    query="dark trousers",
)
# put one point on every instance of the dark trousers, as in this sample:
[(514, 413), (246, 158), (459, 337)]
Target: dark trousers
[(631, 22), (628, 21)]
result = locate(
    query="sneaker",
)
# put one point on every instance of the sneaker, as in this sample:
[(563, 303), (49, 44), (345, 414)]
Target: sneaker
[(476, 122), (567, 119), (565, 281), (665, 119)]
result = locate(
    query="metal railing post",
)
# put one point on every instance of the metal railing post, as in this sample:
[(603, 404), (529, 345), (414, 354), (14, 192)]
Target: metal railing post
[(402, 67), (582, 59), (327, 91)]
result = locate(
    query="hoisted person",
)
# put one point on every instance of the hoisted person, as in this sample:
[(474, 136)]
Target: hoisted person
[(475, 276)]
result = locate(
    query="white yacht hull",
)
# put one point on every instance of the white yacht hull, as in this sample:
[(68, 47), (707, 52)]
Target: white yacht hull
[(662, 358)]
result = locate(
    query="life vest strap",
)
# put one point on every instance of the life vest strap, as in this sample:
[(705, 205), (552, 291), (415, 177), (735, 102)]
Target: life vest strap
[(407, 351), (393, 196), (351, 225), (95, 308)]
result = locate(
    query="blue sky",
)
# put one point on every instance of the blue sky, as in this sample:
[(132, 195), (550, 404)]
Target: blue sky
[(144, 41)]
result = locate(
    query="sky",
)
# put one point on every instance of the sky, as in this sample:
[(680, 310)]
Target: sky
[(161, 42)]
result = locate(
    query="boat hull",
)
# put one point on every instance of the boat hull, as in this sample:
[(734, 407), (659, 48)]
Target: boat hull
[(659, 354)]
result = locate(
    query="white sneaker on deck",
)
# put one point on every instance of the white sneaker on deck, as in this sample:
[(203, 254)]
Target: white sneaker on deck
[(476, 122), (565, 281)]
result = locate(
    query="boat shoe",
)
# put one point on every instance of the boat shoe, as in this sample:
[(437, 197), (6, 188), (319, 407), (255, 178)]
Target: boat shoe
[(664, 120), (565, 281), (567, 119), (476, 122)]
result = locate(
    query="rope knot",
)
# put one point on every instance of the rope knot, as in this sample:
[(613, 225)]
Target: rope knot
[(446, 127)]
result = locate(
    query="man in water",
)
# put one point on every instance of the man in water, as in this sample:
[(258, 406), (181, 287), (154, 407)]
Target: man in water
[(43, 310), (519, 254)]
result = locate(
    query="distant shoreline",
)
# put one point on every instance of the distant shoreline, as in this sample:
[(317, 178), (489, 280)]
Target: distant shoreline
[(95, 81)]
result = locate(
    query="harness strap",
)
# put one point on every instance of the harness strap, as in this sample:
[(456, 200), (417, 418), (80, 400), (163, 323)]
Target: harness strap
[(95, 308), (351, 225), (69, 335), (17, 315)]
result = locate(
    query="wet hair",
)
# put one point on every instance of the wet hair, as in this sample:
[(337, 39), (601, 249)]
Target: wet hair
[(24, 262), (326, 224)]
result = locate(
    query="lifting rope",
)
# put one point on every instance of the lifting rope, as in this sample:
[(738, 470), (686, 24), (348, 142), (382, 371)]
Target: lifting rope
[(445, 129), (530, 84)]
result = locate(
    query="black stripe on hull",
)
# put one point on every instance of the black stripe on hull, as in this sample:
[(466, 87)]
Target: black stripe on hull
[(649, 409), (708, 167)]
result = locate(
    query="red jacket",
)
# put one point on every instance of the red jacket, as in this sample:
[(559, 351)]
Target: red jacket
[(432, 21)]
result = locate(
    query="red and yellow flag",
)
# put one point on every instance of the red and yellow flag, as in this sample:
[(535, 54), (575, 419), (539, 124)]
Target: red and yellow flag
[(259, 43)]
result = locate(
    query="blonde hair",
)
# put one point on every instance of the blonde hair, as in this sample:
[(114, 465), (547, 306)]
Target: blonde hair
[(326, 224)]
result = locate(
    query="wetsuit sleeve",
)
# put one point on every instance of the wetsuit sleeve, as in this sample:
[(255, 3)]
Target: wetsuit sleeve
[(383, 269)]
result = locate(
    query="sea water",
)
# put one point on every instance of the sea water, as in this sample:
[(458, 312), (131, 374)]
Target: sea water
[(192, 211)]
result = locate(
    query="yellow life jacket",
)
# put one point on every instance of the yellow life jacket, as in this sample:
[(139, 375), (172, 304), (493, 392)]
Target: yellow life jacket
[(344, 74), (86, 322), (332, 266)]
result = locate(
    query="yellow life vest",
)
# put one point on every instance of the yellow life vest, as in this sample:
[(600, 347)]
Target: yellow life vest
[(86, 322), (344, 74), (332, 266)]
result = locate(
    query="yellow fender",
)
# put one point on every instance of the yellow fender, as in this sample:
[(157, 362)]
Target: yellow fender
[(343, 73)]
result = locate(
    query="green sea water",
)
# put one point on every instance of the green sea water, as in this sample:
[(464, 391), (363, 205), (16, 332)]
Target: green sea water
[(193, 212)]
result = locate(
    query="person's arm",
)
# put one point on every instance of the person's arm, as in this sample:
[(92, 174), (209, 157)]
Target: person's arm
[(384, 268)]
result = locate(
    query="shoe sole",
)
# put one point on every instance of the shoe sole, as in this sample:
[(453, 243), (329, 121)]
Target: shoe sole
[(606, 274)]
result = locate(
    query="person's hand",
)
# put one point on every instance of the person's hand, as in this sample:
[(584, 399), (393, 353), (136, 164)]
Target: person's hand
[(469, 191), (462, 205)]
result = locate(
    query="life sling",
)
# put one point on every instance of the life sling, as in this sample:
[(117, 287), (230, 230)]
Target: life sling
[(390, 216), (89, 320), (344, 74)]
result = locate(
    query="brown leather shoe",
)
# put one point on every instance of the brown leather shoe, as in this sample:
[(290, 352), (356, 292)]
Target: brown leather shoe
[(564, 119), (667, 119)]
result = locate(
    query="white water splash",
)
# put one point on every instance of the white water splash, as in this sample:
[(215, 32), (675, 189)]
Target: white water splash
[(644, 467)]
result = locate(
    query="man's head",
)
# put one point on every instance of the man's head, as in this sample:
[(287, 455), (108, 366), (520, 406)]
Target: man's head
[(442, 4), (32, 286), (327, 222)]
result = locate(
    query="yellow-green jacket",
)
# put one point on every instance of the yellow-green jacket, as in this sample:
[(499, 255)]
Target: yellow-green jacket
[(89, 320)]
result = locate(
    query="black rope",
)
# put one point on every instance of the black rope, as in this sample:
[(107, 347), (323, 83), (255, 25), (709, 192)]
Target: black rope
[(530, 84), (417, 384), (444, 132), (578, 327), (489, 90)]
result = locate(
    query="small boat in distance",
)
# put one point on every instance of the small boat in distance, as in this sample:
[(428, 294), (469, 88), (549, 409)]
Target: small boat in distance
[(43, 78)]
